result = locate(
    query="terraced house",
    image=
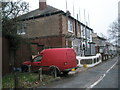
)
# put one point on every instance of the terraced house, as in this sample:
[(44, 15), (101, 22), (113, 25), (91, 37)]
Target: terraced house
[(48, 27)]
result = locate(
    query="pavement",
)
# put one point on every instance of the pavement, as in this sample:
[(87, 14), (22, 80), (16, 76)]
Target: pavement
[(81, 69)]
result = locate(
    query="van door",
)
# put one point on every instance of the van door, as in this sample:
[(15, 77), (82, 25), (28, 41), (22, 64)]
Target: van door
[(71, 58), (37, 60), (36, 63)]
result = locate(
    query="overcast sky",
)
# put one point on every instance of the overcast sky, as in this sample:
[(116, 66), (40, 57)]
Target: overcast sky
[(98, 13)]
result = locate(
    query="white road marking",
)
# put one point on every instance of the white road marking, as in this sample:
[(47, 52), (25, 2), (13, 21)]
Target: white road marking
[(101, 77)]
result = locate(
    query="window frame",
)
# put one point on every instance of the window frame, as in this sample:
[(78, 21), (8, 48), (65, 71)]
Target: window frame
[(70, 26), (21, 29), (21, 32), (36, 59)]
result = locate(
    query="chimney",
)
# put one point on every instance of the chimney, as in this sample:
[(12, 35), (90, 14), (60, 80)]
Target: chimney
[(42, 4), (68, 13)]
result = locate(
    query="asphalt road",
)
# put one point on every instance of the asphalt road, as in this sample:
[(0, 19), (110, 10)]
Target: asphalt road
[(110, 80), (104, 75)]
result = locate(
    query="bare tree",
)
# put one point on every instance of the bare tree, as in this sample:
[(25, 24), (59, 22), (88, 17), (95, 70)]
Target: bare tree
[(10, 17), (10, 13), (14, 9), (114, 31)]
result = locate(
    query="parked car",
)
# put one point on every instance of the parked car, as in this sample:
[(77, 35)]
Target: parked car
[(62, 59)]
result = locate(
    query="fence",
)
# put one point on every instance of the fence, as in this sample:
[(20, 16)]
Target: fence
[(89, 61), (29, 79)]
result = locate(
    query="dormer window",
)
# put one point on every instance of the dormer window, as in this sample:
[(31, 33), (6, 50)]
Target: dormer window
[(70, 26)]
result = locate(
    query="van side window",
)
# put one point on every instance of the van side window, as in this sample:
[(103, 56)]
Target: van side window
[(37, 59)]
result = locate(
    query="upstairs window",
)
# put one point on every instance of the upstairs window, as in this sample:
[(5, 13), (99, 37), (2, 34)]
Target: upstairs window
[(82, 31), (21, 29), (21, 32), (70, 26)]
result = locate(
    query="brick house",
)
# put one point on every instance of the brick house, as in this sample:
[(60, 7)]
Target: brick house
[(87, 42), (100, 45), (111, 49), (48, 27)]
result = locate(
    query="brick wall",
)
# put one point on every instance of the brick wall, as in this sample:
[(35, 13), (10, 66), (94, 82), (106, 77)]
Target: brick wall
[(65, 25), (46, 26), (50, 42), (50, 25), (78, 30), (23, 54)]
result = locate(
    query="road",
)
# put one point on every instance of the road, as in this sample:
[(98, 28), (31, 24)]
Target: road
[(104, 75)]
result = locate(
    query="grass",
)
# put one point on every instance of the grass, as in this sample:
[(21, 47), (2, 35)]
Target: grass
[(25, 80), (8, 81)]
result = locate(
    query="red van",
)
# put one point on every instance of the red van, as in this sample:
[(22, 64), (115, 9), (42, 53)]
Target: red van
[(63, 59)]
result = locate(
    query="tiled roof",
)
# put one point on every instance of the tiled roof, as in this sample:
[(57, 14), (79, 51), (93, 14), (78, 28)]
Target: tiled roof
[(46, 12), (39, 12), (101, 38)]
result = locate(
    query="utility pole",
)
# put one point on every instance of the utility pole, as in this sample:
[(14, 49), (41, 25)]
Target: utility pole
[(66, 6), (79, 15), (73, 9), (84, 18), (88, 20)]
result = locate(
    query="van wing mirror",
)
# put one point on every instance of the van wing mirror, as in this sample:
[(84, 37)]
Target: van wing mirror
[(41, 54)]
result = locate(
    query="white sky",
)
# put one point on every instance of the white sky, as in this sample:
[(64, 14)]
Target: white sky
[(101, 12)]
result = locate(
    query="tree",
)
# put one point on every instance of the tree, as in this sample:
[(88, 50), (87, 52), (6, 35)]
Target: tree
[(10, 19), (10, 13), (114, 32)]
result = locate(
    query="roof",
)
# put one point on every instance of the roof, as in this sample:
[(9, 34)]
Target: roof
[(109, 44), (91, 42), (39, 12), (46, 12), (78, 22), (101, 38)]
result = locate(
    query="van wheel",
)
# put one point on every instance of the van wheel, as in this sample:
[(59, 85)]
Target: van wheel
[(53, 71), (24, 68)]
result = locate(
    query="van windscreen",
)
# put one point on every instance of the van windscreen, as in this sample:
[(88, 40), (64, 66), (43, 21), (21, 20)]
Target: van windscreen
[(37, 59)]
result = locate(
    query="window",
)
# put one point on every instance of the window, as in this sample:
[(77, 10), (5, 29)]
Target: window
[(21, 29), (21, 32), (88, 33), (70, 26), (82, 31), (37, 59)]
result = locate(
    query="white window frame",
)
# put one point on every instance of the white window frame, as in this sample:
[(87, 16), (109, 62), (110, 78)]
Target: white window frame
[(70, 26), (21, 30), (82, 31)]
